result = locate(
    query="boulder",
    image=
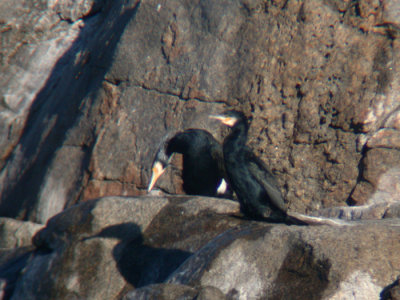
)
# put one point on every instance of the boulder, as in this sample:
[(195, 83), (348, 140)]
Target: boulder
[(261, 261), (14, 233), (16, 250), (101, 248), (161, 247)]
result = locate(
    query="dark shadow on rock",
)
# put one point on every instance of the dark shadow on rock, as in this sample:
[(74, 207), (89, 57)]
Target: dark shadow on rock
[(12, 268), (77, 76), (392, 291), (302, 275), (138, 261), (58, 231)]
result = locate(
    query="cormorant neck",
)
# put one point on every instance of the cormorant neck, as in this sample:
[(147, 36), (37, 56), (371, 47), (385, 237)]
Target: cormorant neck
[(238, 135), (177, 144)]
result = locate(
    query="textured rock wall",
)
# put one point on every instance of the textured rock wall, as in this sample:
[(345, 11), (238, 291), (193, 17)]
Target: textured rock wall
[(45, 170), (91, 89)]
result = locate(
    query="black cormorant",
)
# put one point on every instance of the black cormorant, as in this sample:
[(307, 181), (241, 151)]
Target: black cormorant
[(203, 165), (254, 185)]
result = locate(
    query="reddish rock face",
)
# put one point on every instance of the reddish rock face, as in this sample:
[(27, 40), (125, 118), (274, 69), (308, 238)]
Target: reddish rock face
[(319, 80)]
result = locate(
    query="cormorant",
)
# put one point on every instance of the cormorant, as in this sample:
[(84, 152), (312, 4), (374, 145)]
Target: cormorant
[(254, 185), (203, 166)]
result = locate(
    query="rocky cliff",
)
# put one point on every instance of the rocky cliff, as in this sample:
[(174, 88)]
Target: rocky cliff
[(89, 89)]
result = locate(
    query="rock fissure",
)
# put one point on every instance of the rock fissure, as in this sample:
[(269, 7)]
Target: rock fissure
[(179, 96)]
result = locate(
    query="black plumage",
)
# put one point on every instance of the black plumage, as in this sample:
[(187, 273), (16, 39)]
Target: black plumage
[(255, 186), (203, 166)]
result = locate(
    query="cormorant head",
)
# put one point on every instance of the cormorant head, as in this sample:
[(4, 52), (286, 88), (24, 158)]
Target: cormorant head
[(230, 117), (159, 165)]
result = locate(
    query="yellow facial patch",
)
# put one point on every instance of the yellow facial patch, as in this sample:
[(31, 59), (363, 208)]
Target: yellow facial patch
[(229, 121)]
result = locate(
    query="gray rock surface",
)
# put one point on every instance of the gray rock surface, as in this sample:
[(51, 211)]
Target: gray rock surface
[(14, 233), (260, 261), (16, 250), (371, 211), (163, 291), (34, 40), (99, 248), (166, 247), (43, 98), (175, 291)]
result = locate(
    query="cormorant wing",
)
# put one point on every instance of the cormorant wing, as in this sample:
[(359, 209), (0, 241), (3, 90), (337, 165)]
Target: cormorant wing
[(264, 177), (218, 156)]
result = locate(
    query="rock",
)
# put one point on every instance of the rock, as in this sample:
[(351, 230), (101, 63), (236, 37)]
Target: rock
[(379, 180), (163, 292), (33, 40), (260, 261), (45, 150), (392, 291), (210, 292), (371, 211), (164, 247), (385, 138), (101, 248), (175, 291), (12, 264), (74, 10), (391, 12), (16, 251), (2, 288), (14, 234), (393, 211)]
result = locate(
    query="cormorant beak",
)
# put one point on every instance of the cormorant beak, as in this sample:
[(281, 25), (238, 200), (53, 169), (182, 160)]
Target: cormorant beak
[(157, 171), (229, 121)]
